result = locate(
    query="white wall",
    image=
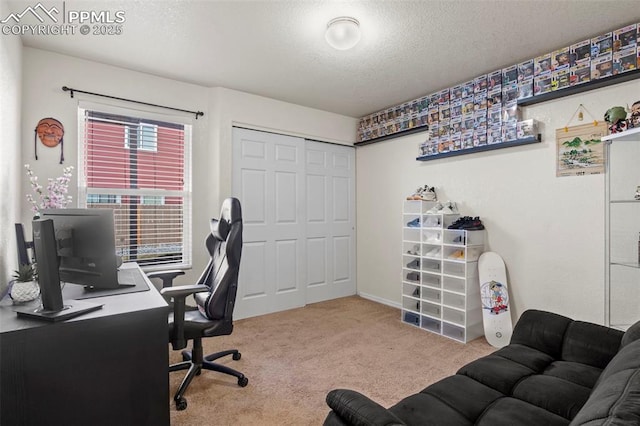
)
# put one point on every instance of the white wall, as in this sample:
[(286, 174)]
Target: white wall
[(232, 107), (549, 230), (43, 97), (44, 74), (10, 102)]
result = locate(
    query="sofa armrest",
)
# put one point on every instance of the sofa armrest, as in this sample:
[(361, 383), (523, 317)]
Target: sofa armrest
[(356, 409)]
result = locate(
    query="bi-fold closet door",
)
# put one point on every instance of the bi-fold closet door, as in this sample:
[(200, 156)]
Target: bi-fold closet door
[(298, 204)]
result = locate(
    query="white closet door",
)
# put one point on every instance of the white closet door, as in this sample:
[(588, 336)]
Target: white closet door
[(268, 179), (298, 204), (330, 206)]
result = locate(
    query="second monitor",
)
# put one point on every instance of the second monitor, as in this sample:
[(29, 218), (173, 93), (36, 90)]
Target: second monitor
[(86, 247)]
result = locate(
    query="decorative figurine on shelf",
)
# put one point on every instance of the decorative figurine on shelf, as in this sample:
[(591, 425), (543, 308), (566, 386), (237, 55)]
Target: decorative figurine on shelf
[(634, 120), (637, 196), (616, 117)]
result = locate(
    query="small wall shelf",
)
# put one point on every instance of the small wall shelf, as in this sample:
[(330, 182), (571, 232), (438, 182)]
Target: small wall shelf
[(517, 142)]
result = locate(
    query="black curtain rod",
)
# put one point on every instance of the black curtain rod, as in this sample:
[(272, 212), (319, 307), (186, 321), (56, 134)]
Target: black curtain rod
[(69, 89)]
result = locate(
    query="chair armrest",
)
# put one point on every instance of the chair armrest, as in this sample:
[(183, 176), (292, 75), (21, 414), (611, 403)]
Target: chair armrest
[(167, 277), (356, 409), (179, 295), (182, 291)]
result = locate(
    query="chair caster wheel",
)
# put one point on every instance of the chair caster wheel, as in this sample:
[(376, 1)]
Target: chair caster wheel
[(181, 404), (236, 356), (243, 381)]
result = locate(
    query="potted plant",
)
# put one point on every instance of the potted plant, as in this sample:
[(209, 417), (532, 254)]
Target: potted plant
[(24, 287)]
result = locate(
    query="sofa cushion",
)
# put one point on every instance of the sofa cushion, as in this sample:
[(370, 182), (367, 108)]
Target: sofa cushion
[(510, 411), (470, 403), (541, 330), (553, 394), (590, 344), (616, 398), (580, 374)]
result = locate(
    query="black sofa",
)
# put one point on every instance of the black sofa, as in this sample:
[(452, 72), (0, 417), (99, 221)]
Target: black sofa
[(555, 371)]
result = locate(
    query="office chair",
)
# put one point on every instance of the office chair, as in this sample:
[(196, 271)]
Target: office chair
[(215, 295)]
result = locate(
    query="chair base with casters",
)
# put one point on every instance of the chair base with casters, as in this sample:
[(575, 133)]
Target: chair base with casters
[(195, 362)]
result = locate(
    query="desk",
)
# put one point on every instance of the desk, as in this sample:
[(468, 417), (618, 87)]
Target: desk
[(107, 367)]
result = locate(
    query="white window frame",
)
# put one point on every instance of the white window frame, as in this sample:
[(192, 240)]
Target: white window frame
[(148, 139), (186, 193)]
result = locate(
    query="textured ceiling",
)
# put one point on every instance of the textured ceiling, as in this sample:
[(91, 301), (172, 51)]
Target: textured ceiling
[(277, 49)]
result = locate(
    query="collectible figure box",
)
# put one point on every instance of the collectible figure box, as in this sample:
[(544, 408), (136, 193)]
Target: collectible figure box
[(624, 60), (638, 62), (467, 104), (467, 139), (510, 113), (456, 92), (434, 130), (480, 136), (509, 132), (601, 45), (480, 84), (509, 93), (625, 38), (602, 66), (467, 89), (445, 112), (468, 122), (494, 116), (580, 73), (494, 80), (444, 129), (434, 99), (434, 115), (525, 89), (456, 141), (525, 70), (480, 119), (494, 135), (581, 51), (494, 97), (561, 59), (560, 79), (455, 125), (542, 84), (444, 96), (480, 101), (455, 107), (510, 75), (542, 64), (526, 129)]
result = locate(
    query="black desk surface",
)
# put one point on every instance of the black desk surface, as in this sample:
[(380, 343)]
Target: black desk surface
[(112, 305), (106, 367)]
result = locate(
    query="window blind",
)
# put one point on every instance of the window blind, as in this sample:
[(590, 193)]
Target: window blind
[(140, 167)]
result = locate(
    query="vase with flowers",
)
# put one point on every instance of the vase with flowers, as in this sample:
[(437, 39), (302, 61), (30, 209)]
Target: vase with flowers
[(56, 194)]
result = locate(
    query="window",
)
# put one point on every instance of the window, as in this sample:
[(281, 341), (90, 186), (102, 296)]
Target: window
[(139, 165), (103, 199), (142, 135)]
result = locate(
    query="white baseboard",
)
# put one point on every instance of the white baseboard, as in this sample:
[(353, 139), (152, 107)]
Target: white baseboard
[(380, 300)]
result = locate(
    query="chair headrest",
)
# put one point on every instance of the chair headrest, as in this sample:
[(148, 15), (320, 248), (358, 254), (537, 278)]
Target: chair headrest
[(219, 229)]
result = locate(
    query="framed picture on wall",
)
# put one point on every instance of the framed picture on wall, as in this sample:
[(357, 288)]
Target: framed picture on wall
[(579, 150)]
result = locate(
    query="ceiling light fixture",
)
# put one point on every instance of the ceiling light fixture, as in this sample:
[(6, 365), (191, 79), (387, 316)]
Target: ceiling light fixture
[(343, 33)]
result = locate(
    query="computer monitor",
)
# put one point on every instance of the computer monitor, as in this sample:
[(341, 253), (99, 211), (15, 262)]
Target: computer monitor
[(23, 246), (53, 308), (86, 246)]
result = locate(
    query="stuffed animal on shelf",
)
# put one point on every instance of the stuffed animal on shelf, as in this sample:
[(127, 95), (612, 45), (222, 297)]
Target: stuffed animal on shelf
[(616, 117)]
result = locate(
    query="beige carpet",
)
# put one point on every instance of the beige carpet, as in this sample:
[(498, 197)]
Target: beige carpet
[(293, 358)]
